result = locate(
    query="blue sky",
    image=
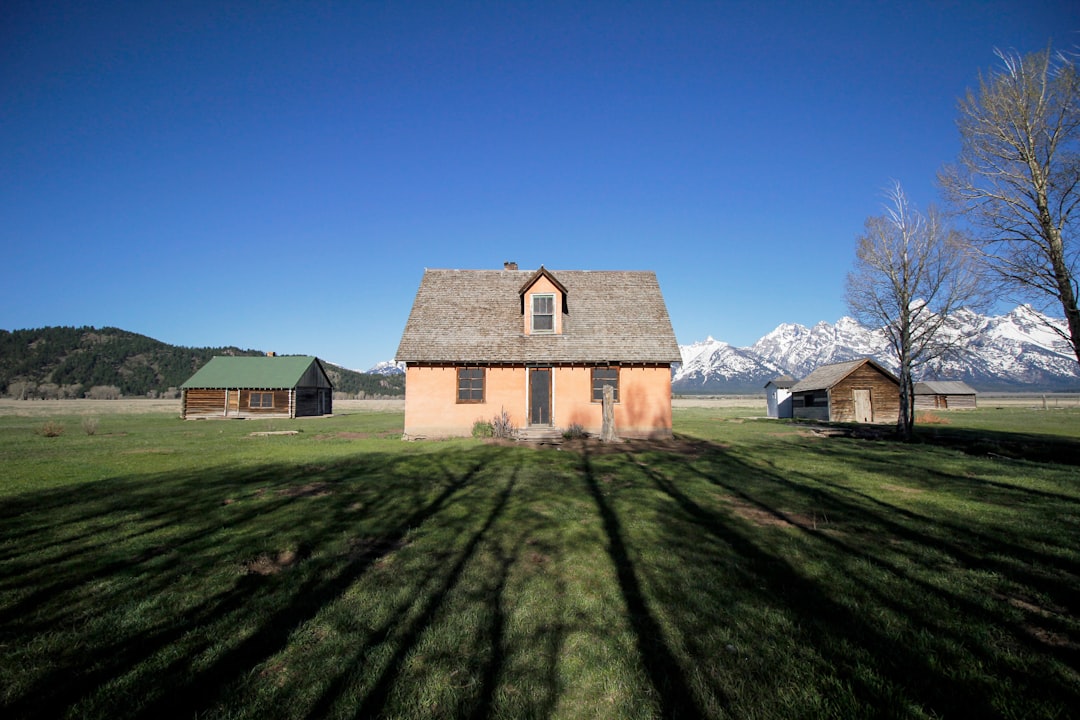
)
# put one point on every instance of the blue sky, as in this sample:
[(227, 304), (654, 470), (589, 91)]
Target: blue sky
[(277, 175)]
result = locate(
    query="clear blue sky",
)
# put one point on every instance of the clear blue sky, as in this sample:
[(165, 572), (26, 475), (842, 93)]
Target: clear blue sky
[(277, 175)]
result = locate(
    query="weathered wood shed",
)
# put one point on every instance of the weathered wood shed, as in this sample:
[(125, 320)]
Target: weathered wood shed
[(856, 391), (778, 396), (248, 387), (944, 395)]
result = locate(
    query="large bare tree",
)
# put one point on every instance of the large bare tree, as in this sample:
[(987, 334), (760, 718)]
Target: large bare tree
[(1018, 177), (912, 273)]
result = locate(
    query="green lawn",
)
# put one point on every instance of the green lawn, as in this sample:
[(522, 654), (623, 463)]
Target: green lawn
[(749, 569)]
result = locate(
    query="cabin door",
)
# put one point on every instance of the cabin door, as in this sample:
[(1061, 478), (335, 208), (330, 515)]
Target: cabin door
[(540, 396), (864, 411)]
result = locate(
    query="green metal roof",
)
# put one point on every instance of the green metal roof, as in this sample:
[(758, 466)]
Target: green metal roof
[(252, 372)]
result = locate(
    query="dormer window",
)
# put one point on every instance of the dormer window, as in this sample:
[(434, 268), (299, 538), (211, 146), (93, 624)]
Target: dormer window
[(543, 313)]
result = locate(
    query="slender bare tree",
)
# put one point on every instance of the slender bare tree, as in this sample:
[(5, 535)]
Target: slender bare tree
[(912, 273), (1017, 178)]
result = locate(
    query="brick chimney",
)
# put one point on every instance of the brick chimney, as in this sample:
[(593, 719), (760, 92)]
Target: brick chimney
[(509, 265)]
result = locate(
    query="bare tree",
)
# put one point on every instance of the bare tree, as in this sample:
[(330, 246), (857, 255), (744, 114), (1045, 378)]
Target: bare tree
[(912, 273), (1018, 177)]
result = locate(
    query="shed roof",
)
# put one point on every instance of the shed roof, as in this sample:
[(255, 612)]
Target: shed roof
[(475, 316), (783, 382), (943, 387), (253, 372), (827, 376)]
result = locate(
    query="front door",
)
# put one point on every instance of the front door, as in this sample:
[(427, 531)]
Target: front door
[(539, 396), (864, 411)]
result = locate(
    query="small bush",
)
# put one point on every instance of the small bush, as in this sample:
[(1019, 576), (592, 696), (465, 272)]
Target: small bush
[(89, 425), (51, 428), (482, 429), (501, 426), (574, 432)]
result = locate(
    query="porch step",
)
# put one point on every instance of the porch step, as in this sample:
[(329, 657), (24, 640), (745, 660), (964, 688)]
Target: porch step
[(539, 432)]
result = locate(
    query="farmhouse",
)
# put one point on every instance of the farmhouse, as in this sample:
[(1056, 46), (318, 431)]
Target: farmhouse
[(857, 391), (541, 346), (778, 396), (248, 387), (944, 395)]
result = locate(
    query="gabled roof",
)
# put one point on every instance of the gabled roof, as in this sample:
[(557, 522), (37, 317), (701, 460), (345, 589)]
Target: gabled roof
[(475, 316), (827, 376), (783, 382), (943, 387), (542, 272), (253, 372)]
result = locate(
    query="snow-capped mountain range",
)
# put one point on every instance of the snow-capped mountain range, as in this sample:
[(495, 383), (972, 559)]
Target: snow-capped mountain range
[(1015, 351)]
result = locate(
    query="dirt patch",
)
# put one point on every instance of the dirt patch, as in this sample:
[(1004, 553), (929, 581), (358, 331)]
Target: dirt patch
[(267, 564), (770, 518), (314, 489)]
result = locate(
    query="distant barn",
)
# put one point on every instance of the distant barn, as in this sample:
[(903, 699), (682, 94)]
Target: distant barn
[(250, 387), (944, 395), (859, 391), (778, 396)]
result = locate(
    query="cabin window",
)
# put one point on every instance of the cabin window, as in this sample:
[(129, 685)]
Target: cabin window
[(261, 400), (470, 385), (808, 400), (602, 376), (543, 313)]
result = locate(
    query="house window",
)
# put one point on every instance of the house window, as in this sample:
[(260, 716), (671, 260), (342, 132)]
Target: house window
[(543, 313), (808, 400), (470, 385), (602, 376), (261, 400)]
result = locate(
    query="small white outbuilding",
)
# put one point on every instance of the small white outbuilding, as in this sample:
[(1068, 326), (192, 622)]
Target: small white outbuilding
[(778, 396)]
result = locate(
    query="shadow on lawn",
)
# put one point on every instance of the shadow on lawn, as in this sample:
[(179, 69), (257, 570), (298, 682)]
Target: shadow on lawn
[(898, 616), (747, 589)]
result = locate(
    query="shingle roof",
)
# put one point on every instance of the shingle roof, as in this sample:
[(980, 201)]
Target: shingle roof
[(826, 376), (466, 316), (251, 372), (783, 382), (943, 387)]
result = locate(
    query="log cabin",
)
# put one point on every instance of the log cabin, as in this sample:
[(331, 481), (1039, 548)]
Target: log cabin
[(944, 395), (287, 386)]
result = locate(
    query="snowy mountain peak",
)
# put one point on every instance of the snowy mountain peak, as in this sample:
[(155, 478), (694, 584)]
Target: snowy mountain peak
[(1018, 350)]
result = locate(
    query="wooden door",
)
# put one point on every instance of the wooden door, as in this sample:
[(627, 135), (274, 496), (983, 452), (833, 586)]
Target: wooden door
[(864, 410), (540, 396)]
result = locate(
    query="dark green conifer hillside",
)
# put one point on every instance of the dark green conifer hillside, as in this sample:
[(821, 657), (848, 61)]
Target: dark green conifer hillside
[(69, 362)]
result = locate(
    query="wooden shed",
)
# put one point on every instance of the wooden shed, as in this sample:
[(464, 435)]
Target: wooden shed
[(856, 391), (250, 387), (944, 395), (778, 396)]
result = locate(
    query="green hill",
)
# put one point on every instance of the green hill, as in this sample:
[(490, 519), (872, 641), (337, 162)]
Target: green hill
[(63, 362)]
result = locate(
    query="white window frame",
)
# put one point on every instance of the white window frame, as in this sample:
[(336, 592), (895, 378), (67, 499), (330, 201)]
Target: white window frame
[(533, 314)]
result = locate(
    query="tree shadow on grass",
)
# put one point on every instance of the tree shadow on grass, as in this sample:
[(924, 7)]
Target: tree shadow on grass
[(894, 633), (168, 528)]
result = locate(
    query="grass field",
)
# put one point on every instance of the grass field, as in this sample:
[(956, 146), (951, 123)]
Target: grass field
[(746, 569)]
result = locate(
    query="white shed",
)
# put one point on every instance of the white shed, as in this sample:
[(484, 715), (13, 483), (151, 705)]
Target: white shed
[(778, 396)]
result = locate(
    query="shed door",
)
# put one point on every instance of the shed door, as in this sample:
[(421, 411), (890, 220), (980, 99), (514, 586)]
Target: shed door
[(864, 411), (539, 396)]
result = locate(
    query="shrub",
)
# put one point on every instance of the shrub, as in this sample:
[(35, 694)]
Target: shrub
[(51, 428), (482, 429), (574, 432), (501, 426), (89, 425)]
